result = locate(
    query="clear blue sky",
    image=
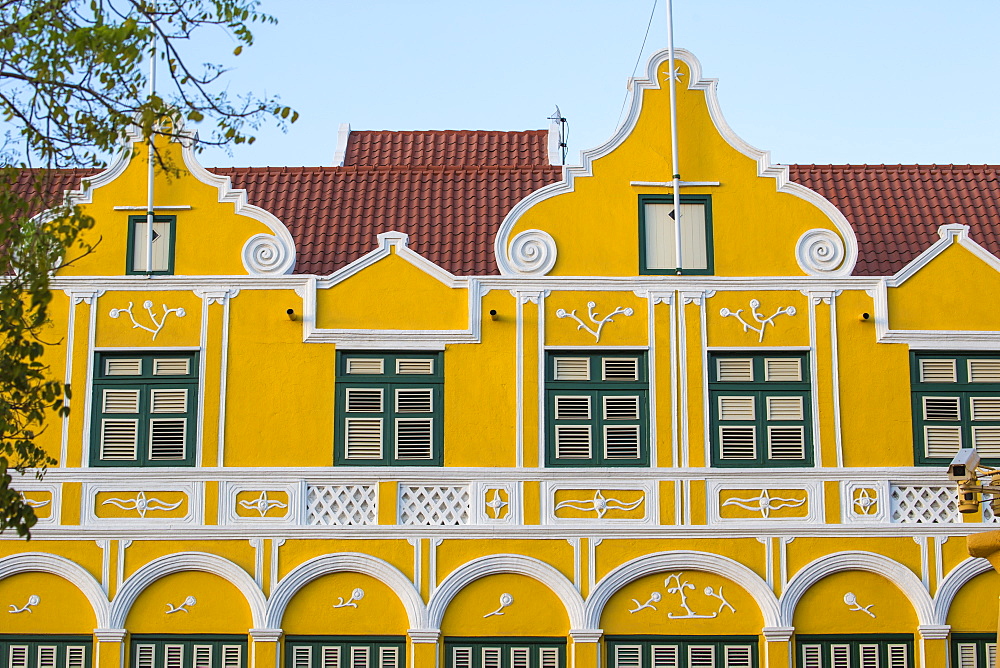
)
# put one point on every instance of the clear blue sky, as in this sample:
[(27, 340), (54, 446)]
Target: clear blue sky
[(813, 81)]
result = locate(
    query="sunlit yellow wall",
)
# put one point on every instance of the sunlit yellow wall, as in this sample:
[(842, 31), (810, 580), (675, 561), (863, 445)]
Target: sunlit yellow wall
[(823, 608), (219, 606), (378, 610), (61, 607), (535, 610)]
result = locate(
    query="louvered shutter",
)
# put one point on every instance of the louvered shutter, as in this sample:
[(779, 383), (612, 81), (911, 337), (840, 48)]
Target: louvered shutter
[(232, 656), (17, 656), (119, 440), (782, 370), (573, 441), (409, 366), (573, 407), (737, 408), (628, 656), (942, 408), (363, 438), (302, 656), (145, 656), (365, 365), (76, 656), (781, 409), (701, 656), (786, 443), (167, 439), (171, 367), (364, 400), (984, 371), (360, 657), (621, 408), (621, 441), (665, 656), (899, 656), (202, 655), (812, 656), (941, 441), (991, 655), (868, 656), (122, 367), (520, 657), (461, 657), (620, 368), (388, 657), (491, 657), (738, 656), (548, 657), (840, 656), (938, 371), (173, 656), (330, 656), (968, 657), (414, 436), (733, 370), (737, 442), (571, 368)]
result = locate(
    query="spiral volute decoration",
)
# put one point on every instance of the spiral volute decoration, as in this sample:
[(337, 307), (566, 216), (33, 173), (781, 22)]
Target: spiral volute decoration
[(533, 252), (820, 252), (266, 254)]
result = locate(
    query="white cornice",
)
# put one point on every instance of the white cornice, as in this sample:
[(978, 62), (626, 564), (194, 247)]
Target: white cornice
[(695, 82)]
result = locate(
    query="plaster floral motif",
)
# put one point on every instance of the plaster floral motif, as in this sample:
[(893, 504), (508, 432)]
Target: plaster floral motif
[(600, 504), (262, 504), (141, 504), (183, 607), (356, 595), (757, 317), (866, 501), (496, 507), (505, 601), (676, 585), (764, 503), (654, 597), (33, 600), (851, 600), (592, 315), (157, 323)]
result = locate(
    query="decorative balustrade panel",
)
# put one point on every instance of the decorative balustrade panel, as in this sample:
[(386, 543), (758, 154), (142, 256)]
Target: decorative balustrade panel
[(924, 504), (341, 505), (434, 506)]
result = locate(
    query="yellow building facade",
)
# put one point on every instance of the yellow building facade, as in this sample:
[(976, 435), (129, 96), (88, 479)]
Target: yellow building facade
[(594, 457)]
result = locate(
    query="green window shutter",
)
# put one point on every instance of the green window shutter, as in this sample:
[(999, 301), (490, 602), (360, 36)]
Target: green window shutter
[(144, 409), (188, 652), (504, 653), (657, 235), (461, 657), (45, 651), (597, 409), (164, 245), (855, 651), (760, 409), (344, 652), (955, 401), (688, 652), (389, 409), (665, 656)]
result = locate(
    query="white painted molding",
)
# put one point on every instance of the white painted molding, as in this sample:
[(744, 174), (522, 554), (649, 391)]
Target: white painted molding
[(953, 582), (763, 159), (352, 562), (229, 509), (812, 492), (533, 253), (110, 635), (40, 562), (682, 560), (586, 635), (179, 562), (424, 636), (340, 153), (266, 635), (934, 631), (778, 633), (892, 570), (506, 563), (650, 502), (129, 492)]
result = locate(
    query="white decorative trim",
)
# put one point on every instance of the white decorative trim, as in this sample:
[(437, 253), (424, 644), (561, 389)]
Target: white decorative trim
[(602, 500), (758, 318), (506, 600), (637, 87), (110, 635), (340, 152), (812, 497), (957, 578), (228, 511), (506, 563), (533, 253), (266, 635), (33, 600), (670, 184), (148, 305), (486, 510), (562, 313), (851, 601), (424, 636), (871, 506), (54, 504), (267, 255), (216, 295), (934, 631), (179, 562), (586, 635), (183, 607), (892, 570), (135, 498), (40, 562), (778, 633), (682, 560), (820, 252), (352, 562), (352, 602)]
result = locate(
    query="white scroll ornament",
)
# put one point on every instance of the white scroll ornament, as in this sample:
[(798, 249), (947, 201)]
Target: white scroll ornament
[(533, 252), (266, 254), (820, 252)]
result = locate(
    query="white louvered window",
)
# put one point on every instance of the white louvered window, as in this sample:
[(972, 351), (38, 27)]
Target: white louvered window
[(302, 656), (46, 656), (500, 654), (660, 228), (389, 409), (144, 410), (760, 410), (202, 655), (76, 656), (596, 410), (173, 656), (144, 655), (491, 657), (628, 656), (862, 651), (899, 656), (738, 656), (342, 652), (388, 657), (548, 657), (665, 656), (360, 657), (461, 657), (205, 652), (329, 657), (956, 404), (689, 652), (973, 650)]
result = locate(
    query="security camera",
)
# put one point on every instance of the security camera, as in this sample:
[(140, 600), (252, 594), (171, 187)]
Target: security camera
[(963, 466)]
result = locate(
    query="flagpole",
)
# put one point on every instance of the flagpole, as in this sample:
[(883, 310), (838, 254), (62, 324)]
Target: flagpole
[(151, 164), (673, 138)]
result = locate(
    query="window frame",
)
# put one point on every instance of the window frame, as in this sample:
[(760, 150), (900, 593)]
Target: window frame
[(855, 640), (964, 390), (374, 642), (980, 640), (145, 383), (130, 269), (188, 640), (62, 641), (647, 642), (597, 388), (535, 643), (388, 383), (706, 202), (760, 389)]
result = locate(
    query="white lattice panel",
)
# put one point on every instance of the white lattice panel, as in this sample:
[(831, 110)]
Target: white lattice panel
[(924, 504), (988, 514), (434, 506), (341, 505)]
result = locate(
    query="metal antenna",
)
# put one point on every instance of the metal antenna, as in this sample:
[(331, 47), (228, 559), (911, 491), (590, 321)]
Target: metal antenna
[(557, 117)]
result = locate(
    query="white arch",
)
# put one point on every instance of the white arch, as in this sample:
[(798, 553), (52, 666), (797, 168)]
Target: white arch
[(40, 562), (506, 563), (178, 563), (681, 560), (354, 562), (892, 570), (954, 581)]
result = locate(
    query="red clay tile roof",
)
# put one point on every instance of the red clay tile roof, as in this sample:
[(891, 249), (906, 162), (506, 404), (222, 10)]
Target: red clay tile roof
[(446, 148), (895, 210)]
